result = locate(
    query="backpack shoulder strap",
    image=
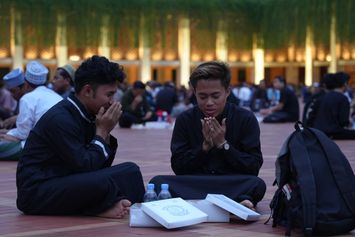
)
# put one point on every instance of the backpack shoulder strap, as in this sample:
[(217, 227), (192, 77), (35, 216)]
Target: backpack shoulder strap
[(340, 167), (302, 163)]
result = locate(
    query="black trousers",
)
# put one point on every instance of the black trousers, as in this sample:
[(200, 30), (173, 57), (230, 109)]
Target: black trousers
[(279, 117), (345, 134), (85, 193), (236, 187)]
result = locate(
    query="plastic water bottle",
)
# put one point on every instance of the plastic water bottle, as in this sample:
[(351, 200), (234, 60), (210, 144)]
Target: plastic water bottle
[(150, 194), (164, 193), (164, 116)]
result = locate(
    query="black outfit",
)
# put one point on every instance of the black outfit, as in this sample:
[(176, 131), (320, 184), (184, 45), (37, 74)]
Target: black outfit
[(230, 172), (311, 109), (65, 167), (333, 116), (290, 110), (259, 100), (129, 116), (166, 99)]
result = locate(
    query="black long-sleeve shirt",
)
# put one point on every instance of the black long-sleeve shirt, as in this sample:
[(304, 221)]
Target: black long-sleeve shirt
[(242, 133), (333, 113), (63, 142)]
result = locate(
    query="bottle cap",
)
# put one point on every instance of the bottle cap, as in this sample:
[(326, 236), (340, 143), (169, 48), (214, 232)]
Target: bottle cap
[(150, 186), (164, 186)]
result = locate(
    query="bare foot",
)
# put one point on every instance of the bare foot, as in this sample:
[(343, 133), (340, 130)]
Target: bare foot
[(118, 211), (248, 204)]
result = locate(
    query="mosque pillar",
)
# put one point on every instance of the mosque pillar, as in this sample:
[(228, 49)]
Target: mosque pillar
[(104, 49), (16, 40), (144, 53), (61, 46), (333, 55), (221, 42), (184, 51), (309, 58), (259, 62)]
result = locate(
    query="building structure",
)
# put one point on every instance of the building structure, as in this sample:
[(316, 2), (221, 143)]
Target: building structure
[(163, 40)]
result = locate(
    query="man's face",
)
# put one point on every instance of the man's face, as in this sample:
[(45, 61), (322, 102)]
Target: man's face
[(211, 97), (277, 84), (60, 84), (102, 96), (137, 92), (17, 92)]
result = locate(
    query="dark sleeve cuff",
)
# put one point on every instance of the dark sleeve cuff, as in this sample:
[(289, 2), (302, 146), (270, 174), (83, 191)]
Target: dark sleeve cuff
[(107, 149)]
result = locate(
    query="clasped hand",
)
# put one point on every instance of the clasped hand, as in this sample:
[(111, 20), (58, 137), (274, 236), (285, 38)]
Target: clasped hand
[(107, 120), (213, 132)]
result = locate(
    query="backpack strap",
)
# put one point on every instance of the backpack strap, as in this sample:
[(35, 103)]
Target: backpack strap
[(339, 167), (302, 163)]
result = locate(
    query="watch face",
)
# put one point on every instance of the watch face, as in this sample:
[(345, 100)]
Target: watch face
[(226, 146)]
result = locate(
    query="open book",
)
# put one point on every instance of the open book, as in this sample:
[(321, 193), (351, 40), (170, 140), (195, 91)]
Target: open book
[(233, 207)]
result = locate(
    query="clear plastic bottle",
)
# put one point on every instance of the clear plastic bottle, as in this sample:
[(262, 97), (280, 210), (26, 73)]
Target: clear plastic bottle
[(150, 194), (164, 116), (164, 193)]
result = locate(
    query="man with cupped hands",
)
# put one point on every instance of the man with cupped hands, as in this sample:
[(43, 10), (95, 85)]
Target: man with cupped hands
[(215, 145)]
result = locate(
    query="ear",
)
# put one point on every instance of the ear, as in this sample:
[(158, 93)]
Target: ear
[(228, 90), (87, 90)]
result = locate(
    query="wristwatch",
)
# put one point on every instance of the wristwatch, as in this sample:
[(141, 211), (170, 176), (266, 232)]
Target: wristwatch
[(226, 146)]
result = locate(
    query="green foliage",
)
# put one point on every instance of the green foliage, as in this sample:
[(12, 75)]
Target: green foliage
[(267, 23)]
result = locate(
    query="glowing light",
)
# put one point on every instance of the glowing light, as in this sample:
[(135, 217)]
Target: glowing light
[(157, 55), (116, 54), (131, 55), (233, 57), (321, 55), (208, 57), (281, 58), (269, 57), (245, 57), (74, 57), (195, 57), (299, 57), (31, 53), (3, 53), (170, 55), (328, 58), (47, 54), (346, 54), (89, 53)]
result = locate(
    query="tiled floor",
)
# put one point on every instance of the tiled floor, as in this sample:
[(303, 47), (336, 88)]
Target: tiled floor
[(150, 150)]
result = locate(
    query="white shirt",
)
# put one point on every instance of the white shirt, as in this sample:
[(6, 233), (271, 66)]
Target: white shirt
[(32, 106), (244, 93)]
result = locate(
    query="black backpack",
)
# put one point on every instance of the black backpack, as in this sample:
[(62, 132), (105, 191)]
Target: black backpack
[(316, 185)]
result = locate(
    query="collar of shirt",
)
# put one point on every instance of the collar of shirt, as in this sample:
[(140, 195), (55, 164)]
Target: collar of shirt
[(80, 107)]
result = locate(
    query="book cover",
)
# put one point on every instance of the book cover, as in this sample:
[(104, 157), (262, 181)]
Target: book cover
[(138, 218), (233, 207), (214, 212), (174, 213)]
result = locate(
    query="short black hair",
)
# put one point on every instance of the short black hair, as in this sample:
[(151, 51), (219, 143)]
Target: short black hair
[(138, 85), (97, 71), (281, 79), (335, 80), (213, 70)]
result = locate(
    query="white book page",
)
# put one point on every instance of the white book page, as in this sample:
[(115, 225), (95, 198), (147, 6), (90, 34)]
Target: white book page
[(233, 207)]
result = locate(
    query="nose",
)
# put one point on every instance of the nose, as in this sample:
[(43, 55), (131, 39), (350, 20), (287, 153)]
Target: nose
[(209, 101)]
